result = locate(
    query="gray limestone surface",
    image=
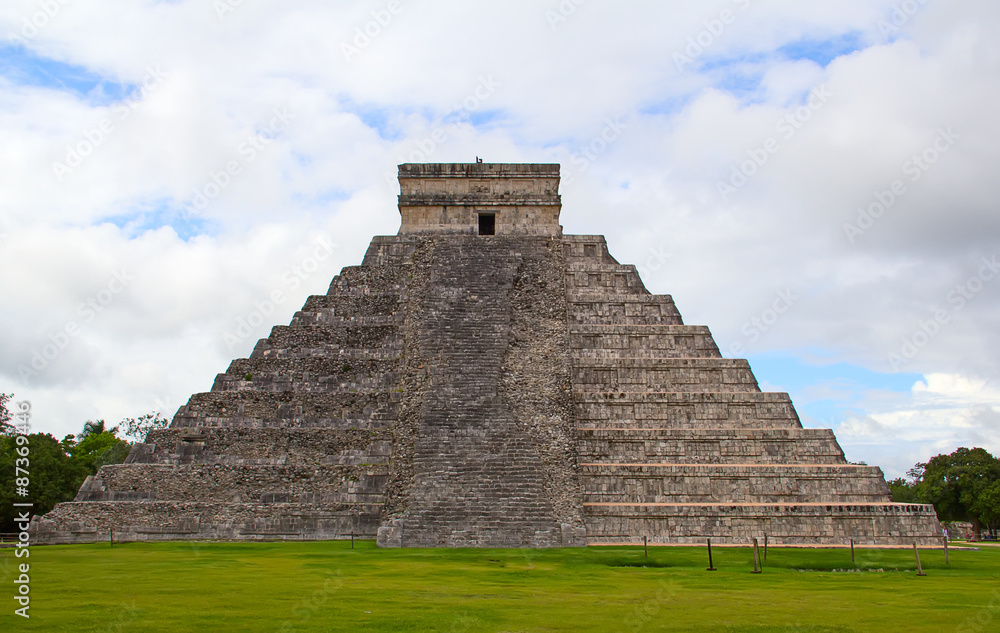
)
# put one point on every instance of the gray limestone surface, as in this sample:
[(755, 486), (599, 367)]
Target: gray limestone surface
[(514, 389)]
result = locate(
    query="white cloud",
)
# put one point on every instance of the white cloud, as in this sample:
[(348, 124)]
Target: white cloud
[(653, 191), (943, 412)]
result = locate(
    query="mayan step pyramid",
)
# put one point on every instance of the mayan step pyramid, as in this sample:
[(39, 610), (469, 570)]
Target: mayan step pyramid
[(483, 380)]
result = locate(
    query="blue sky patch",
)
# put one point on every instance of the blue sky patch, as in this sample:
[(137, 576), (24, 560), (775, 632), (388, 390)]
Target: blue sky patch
[(22, 66), (827, 393), (667, 107), (159, 214), (823, 52)]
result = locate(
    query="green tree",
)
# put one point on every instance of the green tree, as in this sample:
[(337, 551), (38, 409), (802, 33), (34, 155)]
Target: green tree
[(56, 469), (961, 486), (6, 428), (53, 476), (138, 428), (98, 446), (987, 506), (904, 491)]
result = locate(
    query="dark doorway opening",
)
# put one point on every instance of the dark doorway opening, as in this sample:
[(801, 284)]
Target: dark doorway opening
[(487, 223)]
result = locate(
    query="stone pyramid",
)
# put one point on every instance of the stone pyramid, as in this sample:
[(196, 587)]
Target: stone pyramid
[(483, 380)]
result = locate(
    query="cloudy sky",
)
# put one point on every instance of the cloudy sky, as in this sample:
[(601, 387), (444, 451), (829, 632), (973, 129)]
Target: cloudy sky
[(810, 179)]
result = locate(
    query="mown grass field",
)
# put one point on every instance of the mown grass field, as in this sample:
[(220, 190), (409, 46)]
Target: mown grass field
[(330, 587)]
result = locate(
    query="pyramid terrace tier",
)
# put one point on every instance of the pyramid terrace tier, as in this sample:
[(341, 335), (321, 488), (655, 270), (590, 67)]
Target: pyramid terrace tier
[(284, 445), (363, 279), (263, 371), (735, 483), (196, 426), (642, 341), (784, 524), (285, 404), (617, 279), (599, 308), (635, 410), (587, 249), (678, 375), (709, 446), (89, 522), (239, 483), (345, 379), (349, 305), (339, 335)]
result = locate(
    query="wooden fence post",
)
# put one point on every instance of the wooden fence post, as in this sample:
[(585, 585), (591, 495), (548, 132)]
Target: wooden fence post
[(920, 570)]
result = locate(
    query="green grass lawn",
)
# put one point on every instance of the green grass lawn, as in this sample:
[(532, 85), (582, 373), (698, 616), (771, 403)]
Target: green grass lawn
[(330, 587)]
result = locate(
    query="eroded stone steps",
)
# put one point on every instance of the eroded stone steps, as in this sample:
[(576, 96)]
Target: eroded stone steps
[(615, 308), (641, 341), (344, 335), (739, 523), (275, 358), (709, 446), (599, 277), (88, 522), (234, 483), (359, 303), (587, 248), (679, 375), (286, 404), (477, 480), (382, 278), (273, 367), (307, 383), (685, 410), (736, 483), (391, 251), (329, 319), (196, 425)]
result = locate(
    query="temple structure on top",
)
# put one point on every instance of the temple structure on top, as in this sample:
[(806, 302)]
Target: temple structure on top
[(480, 199), (483, 380)]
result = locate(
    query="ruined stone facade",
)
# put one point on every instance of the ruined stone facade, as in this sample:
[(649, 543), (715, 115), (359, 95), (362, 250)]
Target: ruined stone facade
[(483, 380)]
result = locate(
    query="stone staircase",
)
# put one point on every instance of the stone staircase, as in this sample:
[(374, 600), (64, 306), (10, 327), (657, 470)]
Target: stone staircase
[(478, 479)]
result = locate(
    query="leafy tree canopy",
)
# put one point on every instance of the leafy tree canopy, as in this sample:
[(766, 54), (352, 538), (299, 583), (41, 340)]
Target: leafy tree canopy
[(56, 469), (962, 486)]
